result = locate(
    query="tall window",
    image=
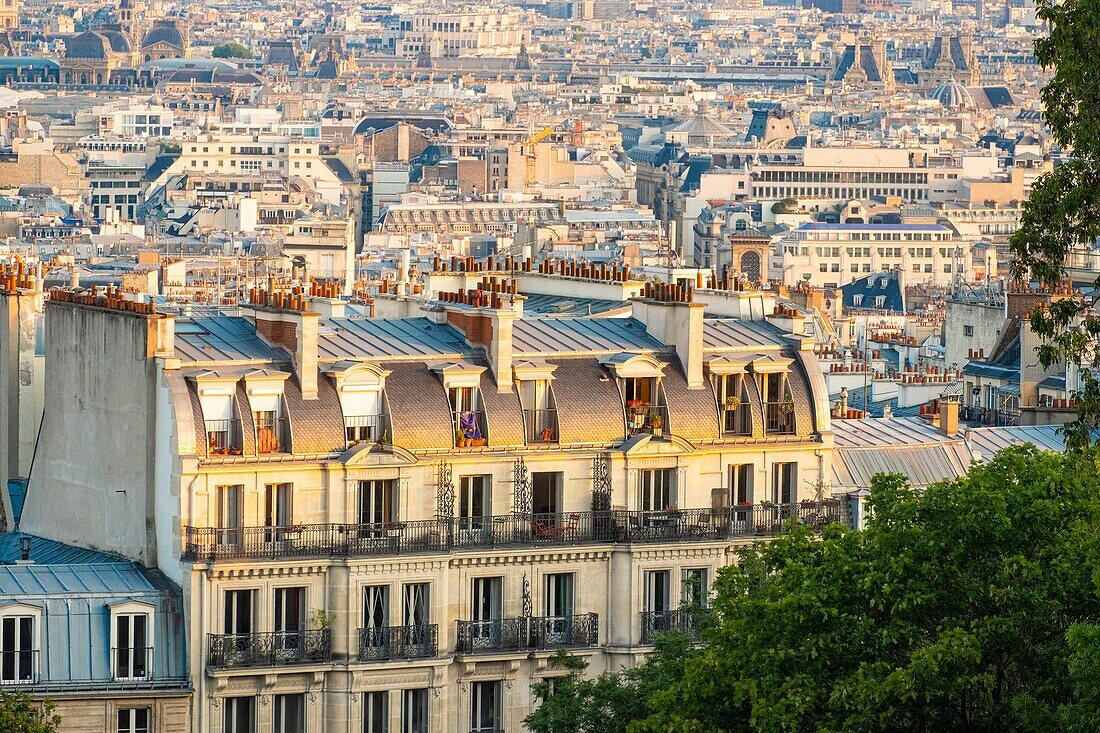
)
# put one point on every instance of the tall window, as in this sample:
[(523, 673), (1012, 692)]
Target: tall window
[(466, 406), (376, 602), (239, 715), (558, 595), (741, 484), (133, 720), (656, 591), (733, 399), (289, 620), (132, 650), (238, 612), (267, 431), (414, 711), (485, 707), (658, 490), (278, 505), (17, 652), (696, 590), (474, 506), (784, 483), (376, 712), (415, 606), (377, 502), (289, 714), (230, 514)]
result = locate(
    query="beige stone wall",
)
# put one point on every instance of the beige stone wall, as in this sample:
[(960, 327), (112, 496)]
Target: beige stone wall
[(100, 714)]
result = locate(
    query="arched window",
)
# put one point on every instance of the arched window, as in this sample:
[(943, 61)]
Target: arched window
[(750, 265)]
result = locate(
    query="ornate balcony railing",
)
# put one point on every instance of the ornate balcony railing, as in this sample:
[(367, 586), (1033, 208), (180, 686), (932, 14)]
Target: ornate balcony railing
[(206, 544), (519, 634), (542, 426), (366, 429), (661, 622), (270, 649), (379, 643)]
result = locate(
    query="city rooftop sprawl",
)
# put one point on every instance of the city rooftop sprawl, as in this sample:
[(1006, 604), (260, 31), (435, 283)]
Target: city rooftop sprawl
[(354, 359)]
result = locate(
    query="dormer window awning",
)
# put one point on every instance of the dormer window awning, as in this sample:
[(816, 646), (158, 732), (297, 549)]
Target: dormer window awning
[(627, 366), (529, 370), (458, 373), (727, 364), (770, 364), (356, 376)]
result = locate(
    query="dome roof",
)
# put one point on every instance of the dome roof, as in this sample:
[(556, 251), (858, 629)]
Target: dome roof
[(119, 41), (164, 32), (703, 126), (953, 95), (87, 45)]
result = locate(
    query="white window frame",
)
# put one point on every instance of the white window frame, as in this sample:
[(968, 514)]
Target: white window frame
[(23, 610), (132, 609), (131, 724)]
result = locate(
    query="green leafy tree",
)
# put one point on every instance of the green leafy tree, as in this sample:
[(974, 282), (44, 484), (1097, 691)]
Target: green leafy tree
[(19, 714), (971, 605), (231, 50), (786, 206), (1063, 210)]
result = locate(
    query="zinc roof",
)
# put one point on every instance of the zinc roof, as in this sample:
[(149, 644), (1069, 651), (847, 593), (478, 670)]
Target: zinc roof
[(37, 580), (733, 334), (221, 338), (404, 338), (987, 441), (581, 336)]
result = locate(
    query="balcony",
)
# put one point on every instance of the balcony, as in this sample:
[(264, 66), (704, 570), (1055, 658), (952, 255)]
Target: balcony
[(272, 435), (470, 430), (275, 648), (542, 426), (381, 643), (19, 667), (366, 429), (779, 418), (651, 419), (206, 544), (527, 634), (223, 437), (662, 622)]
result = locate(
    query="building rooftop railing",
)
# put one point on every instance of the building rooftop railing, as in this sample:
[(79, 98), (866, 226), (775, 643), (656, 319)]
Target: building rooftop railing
[(207, 544)]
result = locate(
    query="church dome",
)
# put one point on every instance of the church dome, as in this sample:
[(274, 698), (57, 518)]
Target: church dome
[(953, 96), (87, 45), (163, 32)]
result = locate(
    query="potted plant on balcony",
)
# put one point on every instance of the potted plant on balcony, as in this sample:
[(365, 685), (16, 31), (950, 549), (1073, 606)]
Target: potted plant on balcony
[(547, 434), (732, 403), (460, 439), (786, 407), (655, 424), (636, 412)]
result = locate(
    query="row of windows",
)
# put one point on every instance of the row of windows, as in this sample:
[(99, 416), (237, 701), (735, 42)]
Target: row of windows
[(241, 714), (805, 176), (831, 192)]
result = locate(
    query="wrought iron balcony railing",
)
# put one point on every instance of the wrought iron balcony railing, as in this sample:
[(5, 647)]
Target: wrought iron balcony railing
[(367, 429), (519, 634), (208, 544), (737, 419), (661, 622), (270, 649), (470, 429), (132, 663), (542, 426), (378, 643)]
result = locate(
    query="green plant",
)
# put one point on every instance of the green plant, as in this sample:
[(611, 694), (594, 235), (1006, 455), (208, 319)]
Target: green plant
[(733, 402), (20, 714), (321, 618)]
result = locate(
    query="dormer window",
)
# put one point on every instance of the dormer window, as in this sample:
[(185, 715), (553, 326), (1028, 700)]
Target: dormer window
[(219, 412), (639, 379), (778, 404), (362, 400), (735, 409), (462, 382), (265, 395), (540, 416), (19, 644), (131, 641)]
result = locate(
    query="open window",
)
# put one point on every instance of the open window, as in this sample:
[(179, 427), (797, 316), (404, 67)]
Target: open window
[(639, 380), (219, 411), (361, 388), (463, 384), (265, 397), (536, 396), (772, 374)]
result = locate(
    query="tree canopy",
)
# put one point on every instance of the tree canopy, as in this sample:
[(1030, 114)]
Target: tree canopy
[(231, 50), (18, 714), (971, 605), (1063, 210)]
